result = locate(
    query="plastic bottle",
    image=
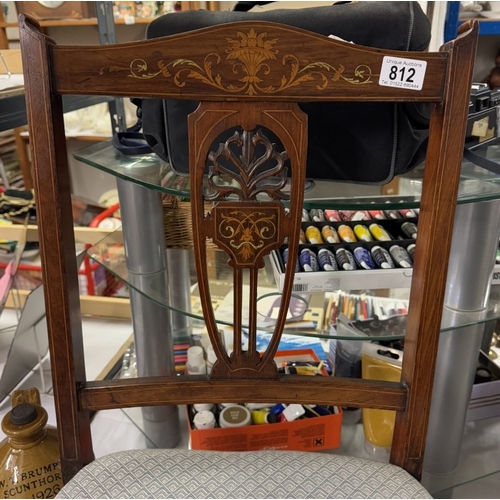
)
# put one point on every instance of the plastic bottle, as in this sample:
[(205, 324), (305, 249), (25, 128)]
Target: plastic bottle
[(379, 363), (277, 409), (263, 417), (29, 457), (292, 412), (196, 364), (197, 408), (204, 407), (204, 420), (259, 406)]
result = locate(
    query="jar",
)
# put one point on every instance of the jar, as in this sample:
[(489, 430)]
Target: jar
[(196, 408), (195, 364), (227, 405), (204, 420), (204, 407), (235, 416), (29, 456)]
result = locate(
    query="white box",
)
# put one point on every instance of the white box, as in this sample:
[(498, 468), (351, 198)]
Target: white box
[(485, 397), (495, 279), (330, 281)]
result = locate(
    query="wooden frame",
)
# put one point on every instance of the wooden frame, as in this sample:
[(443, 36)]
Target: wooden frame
[(175, 67)]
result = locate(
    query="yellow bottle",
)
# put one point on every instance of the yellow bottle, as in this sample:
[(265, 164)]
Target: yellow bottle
[(346, 234), (313, 235), (379, 363), (29, 457)]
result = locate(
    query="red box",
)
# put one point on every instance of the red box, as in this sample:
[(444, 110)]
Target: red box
[(309, 434)]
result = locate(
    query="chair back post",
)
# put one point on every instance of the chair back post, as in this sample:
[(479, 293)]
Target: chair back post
[(57, 243), (436, 217)]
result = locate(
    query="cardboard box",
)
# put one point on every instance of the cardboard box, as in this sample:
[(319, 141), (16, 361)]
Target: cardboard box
[(495, 278), (482, 128), (485, 397), (298, 355), (311, 434)]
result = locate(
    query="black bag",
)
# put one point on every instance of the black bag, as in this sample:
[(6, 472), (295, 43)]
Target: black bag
[(348, 141)]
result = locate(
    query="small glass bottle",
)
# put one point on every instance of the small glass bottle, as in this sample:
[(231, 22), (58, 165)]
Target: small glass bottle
[(29, 457)]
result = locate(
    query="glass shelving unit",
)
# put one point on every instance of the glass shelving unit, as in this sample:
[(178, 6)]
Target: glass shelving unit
[(149, 287), (151, 173)]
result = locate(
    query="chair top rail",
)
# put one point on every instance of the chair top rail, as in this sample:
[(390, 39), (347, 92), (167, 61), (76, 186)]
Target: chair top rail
[(248, 61)]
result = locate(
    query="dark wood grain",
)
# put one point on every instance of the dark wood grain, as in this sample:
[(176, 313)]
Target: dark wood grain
[(437, 213), (198, 389), (302, 67), (244, 227), (292, 65), (57, 249)]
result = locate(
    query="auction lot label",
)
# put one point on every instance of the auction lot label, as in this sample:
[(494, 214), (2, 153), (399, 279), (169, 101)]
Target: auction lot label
[(402, 73)]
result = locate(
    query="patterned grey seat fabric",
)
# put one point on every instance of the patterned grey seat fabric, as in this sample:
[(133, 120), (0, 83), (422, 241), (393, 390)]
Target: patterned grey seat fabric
[(259, 474)]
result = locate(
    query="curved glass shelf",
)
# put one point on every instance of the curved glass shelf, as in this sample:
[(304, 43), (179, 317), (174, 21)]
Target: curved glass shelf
[(476, 184), (486, 483), (109, 253), (478, 468)]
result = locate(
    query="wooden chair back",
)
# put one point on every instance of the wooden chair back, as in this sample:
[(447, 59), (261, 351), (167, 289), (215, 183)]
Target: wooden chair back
[(246, 74)]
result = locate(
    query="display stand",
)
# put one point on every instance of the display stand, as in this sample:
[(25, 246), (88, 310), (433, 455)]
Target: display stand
[(474, 246), (477, 225), (144, 240)]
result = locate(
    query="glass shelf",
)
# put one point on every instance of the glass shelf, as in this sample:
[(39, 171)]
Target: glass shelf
[(478, 466), (488, 484), (109, 252), (150, 171)]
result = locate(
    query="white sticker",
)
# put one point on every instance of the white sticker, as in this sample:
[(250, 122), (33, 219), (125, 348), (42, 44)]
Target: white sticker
[(129, 19), (402, 73)]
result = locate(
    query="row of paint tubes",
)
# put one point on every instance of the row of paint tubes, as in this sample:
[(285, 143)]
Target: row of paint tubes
[(345, 260)]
